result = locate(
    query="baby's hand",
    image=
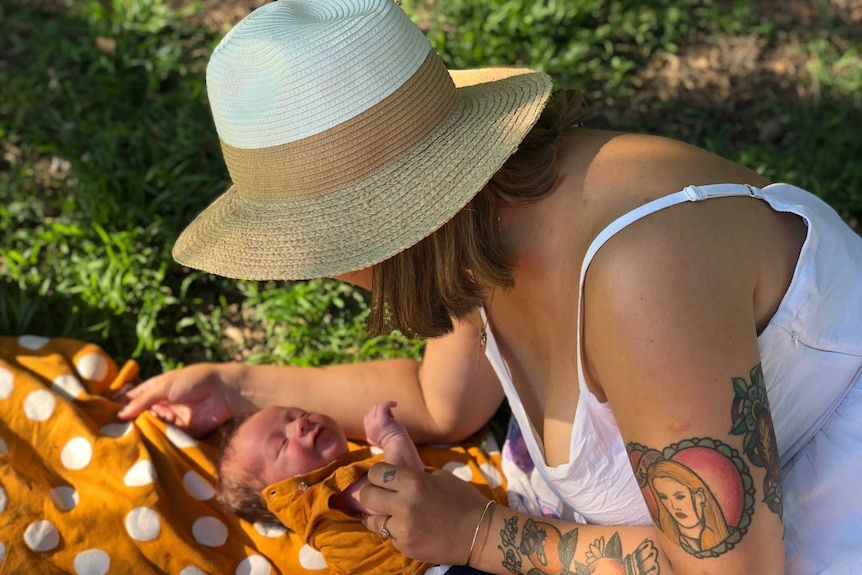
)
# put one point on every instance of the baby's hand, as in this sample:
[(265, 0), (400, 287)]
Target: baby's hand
[(381, 426)]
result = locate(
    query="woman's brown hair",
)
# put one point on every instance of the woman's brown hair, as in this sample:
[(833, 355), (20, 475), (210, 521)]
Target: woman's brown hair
[(446, 275)]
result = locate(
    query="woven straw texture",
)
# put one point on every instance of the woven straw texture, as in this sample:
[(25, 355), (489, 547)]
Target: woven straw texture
[(346, 139)]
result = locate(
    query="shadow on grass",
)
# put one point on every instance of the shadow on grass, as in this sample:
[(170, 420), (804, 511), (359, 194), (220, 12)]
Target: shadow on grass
[(55, 315)]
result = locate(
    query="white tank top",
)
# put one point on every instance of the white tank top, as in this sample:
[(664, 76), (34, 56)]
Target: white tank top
[(811, 354)]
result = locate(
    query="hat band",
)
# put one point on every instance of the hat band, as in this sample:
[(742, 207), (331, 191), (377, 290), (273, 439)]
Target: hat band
[(351, 151)]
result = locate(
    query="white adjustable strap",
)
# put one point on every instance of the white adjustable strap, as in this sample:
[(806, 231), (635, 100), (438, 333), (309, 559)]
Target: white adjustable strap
[(690, 194)]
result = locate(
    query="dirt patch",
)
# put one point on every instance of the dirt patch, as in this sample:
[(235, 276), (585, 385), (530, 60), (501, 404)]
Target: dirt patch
[(221, 15), (717, 73)]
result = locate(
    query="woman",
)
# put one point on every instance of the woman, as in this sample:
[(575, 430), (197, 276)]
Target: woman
[(625, 290)]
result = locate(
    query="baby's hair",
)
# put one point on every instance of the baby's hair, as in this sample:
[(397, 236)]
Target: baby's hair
[(241, 495)]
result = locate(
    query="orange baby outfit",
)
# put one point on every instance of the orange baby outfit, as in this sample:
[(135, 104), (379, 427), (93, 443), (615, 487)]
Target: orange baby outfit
[(83, 492), (302, 504)]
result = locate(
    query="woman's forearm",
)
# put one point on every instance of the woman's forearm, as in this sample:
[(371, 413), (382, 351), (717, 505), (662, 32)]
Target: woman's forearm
[(444, 398), (510, 542), (517, 543), (346, 392)]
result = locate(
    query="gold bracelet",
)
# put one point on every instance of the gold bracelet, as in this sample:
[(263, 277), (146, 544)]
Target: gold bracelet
[(476, 532)]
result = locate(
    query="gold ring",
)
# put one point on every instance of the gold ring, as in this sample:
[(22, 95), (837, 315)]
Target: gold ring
[(384, 532)]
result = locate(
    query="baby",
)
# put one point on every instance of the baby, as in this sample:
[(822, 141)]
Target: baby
[(286, 466), (277, 443)]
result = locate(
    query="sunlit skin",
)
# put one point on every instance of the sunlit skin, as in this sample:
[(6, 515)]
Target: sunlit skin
[(682, 504), (280, 442)]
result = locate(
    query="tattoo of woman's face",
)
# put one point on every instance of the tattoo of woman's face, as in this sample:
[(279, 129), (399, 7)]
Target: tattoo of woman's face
[(699, 492)]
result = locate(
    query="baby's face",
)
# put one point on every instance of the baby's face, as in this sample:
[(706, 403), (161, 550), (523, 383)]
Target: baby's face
[(280, 442)]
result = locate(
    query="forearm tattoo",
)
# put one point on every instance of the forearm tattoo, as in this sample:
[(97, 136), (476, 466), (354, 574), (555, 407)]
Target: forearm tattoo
[(540, 548), (699, 491)]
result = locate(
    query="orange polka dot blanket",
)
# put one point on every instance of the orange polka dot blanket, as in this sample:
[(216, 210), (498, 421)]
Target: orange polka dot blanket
[(84, 493)]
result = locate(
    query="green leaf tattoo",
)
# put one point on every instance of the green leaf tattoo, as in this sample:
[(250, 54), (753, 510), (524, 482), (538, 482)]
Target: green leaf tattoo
[(753, 420)]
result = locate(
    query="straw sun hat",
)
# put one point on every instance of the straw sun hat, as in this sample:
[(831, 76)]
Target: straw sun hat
[(346, 138)]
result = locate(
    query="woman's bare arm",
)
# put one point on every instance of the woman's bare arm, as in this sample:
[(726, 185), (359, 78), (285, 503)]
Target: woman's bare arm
[(444, 398), (670, 340), (671, 335)]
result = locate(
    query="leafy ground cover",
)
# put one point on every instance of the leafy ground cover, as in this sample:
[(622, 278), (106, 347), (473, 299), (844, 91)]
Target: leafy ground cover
[(108, 148)]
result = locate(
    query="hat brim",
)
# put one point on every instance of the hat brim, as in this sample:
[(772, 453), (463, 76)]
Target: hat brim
[(361, 225)]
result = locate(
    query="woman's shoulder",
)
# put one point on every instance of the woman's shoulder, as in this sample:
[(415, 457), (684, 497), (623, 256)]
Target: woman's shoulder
[(604, 175), (622, 170)]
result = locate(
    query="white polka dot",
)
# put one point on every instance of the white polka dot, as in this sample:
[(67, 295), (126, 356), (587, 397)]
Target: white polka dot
[(7, 383), (180, 438), (492, 475), (197, 486), (41, 536), (141, 473), (92, 562), (116, 429), (76, 454), (32, 342), (65, 498), (39, 405), (68, 386), (2, 499), (193, 570), (311, 558), (92, 366), (459, 470), (375, 450), (142, 524), (4, 449), (2, 552), (209, 531), (254, 565), (271, 531)]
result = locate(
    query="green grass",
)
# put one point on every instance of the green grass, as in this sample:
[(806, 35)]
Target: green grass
[(109, 150), (597, 45)]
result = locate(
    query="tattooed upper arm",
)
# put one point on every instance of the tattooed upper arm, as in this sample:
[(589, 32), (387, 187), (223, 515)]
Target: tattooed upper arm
[(675, 352), (717, 495), (700, 491)]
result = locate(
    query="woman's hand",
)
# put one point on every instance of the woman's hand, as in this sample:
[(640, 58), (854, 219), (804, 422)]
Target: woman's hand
[(431, 516), (195, 399)]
